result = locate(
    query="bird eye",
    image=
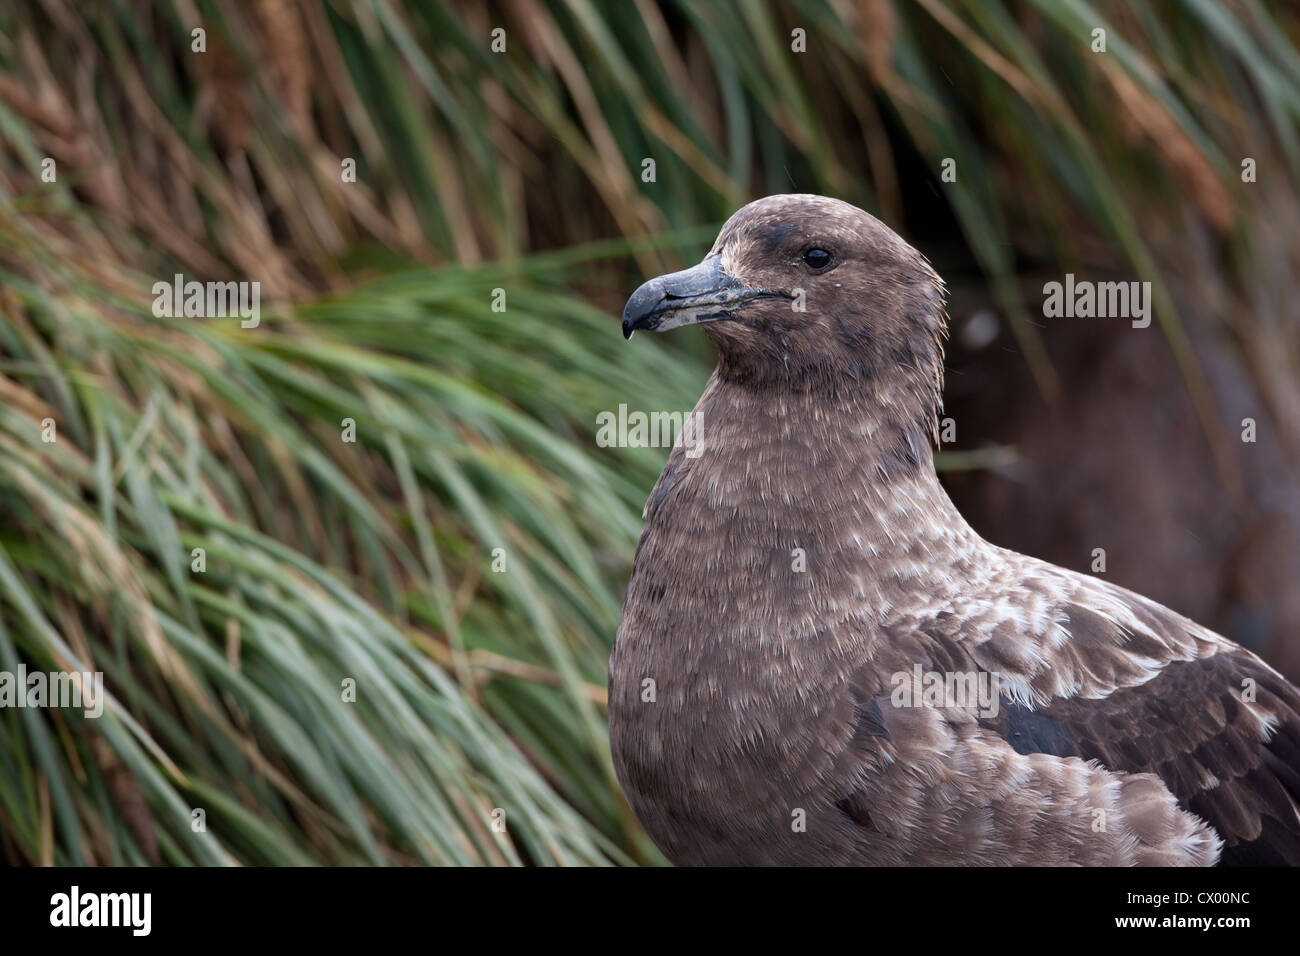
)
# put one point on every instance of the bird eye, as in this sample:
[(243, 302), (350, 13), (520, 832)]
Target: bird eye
[(817, 259)]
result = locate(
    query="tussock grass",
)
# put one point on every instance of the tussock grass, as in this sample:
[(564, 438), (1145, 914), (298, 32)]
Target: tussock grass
[(325, 560)]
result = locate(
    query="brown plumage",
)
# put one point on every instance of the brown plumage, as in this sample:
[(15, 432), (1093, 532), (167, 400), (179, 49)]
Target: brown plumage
[(803, 562)]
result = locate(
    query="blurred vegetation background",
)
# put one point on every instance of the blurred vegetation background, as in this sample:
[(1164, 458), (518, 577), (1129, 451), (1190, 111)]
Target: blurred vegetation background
[(481, 691)]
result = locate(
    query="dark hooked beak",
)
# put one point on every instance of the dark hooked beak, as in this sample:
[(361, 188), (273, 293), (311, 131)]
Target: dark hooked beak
[(703, 293)]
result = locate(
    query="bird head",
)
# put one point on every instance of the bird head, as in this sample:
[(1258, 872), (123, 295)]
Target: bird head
[(807, 292)]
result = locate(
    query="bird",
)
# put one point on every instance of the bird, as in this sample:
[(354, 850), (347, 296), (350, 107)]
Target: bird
[(820, 663)]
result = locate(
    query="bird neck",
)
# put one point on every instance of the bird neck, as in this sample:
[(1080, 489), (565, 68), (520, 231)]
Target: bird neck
[(812, 502), (898, 387), (810, 456), (888, 423)]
